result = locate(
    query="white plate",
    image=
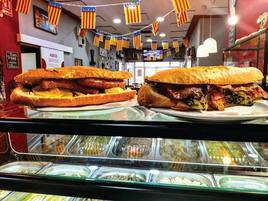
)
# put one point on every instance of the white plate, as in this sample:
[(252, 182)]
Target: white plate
[(130, 103), (235, 113)]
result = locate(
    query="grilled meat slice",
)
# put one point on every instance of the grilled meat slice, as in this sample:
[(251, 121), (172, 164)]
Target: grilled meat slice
[(101, 83)]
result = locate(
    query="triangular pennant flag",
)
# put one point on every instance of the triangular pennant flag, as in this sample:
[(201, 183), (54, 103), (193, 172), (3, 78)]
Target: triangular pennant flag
[(113, 41), (175, 43), (96, 41), (132, 12), (107, 43), (54, 12), (101, 36), (165, 44), (181, 5), (137, 40), (155, 27), (182, 18), (23, 6), (154, 45), (119, 44), (88, 17), (125, 43)]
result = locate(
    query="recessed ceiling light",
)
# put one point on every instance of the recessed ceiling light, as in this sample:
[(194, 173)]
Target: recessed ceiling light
[(149, 40), (160, 19), (162, 35), (117, 21)]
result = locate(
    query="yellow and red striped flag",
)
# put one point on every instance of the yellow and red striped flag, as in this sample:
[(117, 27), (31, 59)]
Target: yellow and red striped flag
[(23, 6), (107, 44), (132, 12), (125, 43), (137, 40), (155, 27), (181, 5), (88, 17), (101, 36), (154, 45), (119, 44), (165, 44), (96, 41), (182, 18), (175, 44), (54, 12)]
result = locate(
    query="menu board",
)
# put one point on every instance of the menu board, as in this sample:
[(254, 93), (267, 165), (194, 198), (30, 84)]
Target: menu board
[(12, 59)]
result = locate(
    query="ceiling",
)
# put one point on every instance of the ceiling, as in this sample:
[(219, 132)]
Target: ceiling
[(150, 9)]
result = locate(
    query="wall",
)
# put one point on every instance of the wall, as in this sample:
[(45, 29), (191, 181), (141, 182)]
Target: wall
[(66, 35), (8, 42), (248, 12)]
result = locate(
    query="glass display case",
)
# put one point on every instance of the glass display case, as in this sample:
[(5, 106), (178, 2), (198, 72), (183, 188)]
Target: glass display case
[(251, 50), (129, 153)]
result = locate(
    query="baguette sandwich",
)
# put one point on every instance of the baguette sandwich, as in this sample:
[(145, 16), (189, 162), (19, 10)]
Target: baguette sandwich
[(71, 86), (202, 88)]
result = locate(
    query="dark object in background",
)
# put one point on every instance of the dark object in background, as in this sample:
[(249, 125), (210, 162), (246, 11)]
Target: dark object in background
[(193, 52), (92, 62), (181, 54)]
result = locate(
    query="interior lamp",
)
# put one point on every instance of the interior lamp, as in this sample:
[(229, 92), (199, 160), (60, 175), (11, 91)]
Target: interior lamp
[(202, 51)]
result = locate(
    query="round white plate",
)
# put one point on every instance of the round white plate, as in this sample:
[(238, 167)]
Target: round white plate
[(235, 113), (130, 103)]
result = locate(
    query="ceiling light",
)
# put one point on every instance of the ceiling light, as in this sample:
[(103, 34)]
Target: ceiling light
[(117, 21), (149, 40), (162, 35), (211, 45), (160, 19), (201, 51), (232, 20)]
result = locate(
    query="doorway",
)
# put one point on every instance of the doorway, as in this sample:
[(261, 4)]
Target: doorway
[(30, 57)]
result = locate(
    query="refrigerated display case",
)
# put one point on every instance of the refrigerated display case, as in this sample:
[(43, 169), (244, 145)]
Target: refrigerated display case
[(251, 50), (129, 153)]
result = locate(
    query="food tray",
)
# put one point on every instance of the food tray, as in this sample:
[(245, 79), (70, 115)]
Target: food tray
[(35, 197), (92, 148), (184, 149), (242, 182), (262, 152), (205, 179), (230, 153), (134, 151), (75, 171), (4, 193), (105, 172), (23, 167)]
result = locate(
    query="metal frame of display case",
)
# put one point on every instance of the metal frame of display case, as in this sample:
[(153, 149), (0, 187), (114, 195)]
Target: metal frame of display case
[(242, 41), (120, 190)]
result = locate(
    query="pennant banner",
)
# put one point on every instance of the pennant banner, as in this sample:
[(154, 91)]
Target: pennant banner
[(175, 44), (107, 44), (165, 44), (132, 12), (54, 12), (181, 5), (23, 6), (137, 40), (182, 18), (155, 28), (154, 45), (125, 43), (113, 41), (88, 17), (96, 41), (101, 36), (119, 44)]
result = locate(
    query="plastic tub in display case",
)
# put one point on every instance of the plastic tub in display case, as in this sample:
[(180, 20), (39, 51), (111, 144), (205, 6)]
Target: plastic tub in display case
[(75, 171), (179, 150), (183, 178), (134, 148), (242, 182), (23, 167), (90, 146), (122, 174)]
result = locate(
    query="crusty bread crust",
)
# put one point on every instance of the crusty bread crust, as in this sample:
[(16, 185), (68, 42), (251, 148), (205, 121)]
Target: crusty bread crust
[(72, 72), (22, 96), (218, 75)]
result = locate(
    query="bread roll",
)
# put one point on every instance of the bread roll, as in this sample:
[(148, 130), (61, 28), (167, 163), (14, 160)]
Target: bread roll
[(216, 75)]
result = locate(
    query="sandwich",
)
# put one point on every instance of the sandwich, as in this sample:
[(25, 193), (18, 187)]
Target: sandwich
[(202, 88), (71, 86)]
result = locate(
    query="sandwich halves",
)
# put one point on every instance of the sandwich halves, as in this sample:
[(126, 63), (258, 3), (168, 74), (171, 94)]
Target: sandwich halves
[(71, 86), (202, 88)]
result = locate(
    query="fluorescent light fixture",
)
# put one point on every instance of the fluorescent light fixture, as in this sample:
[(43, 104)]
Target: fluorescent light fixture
[(117, 21), (232, 20), (149, 40), (162, 35), (160, 19)]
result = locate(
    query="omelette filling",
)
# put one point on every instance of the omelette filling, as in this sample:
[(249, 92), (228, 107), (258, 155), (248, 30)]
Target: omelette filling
[(210, 97), (75, 87)]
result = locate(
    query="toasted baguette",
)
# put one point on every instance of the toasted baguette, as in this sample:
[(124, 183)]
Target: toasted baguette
[(72, 72), (24, 97), (218, 75)]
